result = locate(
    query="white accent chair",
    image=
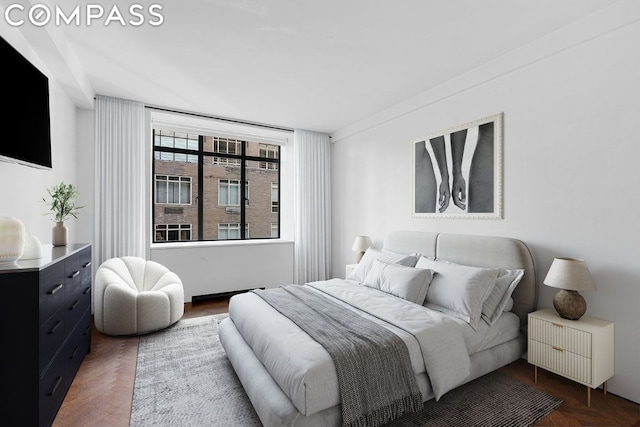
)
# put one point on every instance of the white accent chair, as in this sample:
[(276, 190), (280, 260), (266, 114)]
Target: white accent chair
[(133, 296)]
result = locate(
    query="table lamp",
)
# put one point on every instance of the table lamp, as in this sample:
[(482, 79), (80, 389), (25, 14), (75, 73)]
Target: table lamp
[(570, 276), (360, 245)]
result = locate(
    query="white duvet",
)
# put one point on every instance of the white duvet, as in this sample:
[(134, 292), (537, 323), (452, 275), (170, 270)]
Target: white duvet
[(437, 344)]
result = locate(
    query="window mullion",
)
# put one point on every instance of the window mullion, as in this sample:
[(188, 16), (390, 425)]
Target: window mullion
[(243, 190), (199, 197)]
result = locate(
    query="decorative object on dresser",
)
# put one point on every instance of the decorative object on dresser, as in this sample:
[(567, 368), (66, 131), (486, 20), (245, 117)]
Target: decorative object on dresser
[(135, 296), (62, 206), (360, 245), (46, 304), (11, 240), (570, 275), (581, 350), (32, 247)]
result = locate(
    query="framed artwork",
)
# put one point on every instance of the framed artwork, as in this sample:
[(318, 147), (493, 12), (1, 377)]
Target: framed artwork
[(457, 173)]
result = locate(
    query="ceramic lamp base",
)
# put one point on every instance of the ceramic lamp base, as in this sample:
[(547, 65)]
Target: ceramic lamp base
[(569, 304)]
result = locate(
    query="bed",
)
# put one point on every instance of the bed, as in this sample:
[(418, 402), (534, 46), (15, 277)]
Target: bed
[(291, 379)]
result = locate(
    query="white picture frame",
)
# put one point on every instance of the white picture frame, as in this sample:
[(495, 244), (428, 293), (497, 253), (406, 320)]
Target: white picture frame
[(457, 172)]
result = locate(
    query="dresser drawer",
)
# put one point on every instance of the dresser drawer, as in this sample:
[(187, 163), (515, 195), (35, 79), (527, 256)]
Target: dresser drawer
[(560, 336), (78, 345), (72, 277), (53, 387), (52, 335), (51, 290), (85, 267), (566, 363)]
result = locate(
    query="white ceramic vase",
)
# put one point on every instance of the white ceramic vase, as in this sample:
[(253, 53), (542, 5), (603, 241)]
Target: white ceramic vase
[(11, 239), (32, 247), (59, 234)]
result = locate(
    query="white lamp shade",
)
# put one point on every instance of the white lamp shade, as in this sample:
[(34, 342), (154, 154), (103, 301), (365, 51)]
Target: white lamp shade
[(361, 244), (570, 274)]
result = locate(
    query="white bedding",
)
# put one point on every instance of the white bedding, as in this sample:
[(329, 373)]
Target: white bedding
[(304, 370)]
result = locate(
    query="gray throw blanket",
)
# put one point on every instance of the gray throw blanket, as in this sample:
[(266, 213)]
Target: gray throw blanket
[(376, 380)]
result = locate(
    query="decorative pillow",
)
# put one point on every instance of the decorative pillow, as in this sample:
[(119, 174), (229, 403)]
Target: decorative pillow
[(395, 279), (458, 289), (371, 254), (498, 298)]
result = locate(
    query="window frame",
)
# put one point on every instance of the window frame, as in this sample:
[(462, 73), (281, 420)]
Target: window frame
[(224, 159)]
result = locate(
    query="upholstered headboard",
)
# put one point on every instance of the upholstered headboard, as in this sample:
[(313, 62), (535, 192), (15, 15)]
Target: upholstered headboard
[(479, 251)]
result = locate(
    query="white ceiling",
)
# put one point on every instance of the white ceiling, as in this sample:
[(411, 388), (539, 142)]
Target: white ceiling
[(319, 65)]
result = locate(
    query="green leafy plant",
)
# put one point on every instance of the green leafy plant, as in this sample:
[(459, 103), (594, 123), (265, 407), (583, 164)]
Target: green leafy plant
[(62, 201)]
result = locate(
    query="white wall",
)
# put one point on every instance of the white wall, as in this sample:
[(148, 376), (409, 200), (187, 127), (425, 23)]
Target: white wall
[(571, 104), (226, 267), (23, 187)]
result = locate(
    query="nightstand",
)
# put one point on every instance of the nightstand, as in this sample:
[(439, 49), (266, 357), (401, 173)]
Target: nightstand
[(349, 269), (581, 350)]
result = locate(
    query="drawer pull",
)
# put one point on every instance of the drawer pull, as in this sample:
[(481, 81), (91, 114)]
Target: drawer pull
[(86, 291), (55, 386), (75, 351), (55, 327), (55, 289), (75, 274), (557, 348), (557, 324), (88, 264), (74, 305), (87, 331)]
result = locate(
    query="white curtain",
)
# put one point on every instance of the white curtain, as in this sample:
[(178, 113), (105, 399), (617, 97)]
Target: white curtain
[(312, 206), (119, 179)]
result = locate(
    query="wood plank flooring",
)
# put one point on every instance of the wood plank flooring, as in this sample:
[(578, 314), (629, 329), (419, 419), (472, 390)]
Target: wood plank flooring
[(101, 393)]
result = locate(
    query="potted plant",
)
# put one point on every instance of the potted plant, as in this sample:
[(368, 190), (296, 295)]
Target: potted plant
[(62, 206)]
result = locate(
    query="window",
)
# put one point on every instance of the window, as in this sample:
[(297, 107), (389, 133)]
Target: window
[(227, 146), (175, 140), (173, 189), (208, 176), (229, 192), (231, 231), (275, 194), (270, 152), (173, 232)]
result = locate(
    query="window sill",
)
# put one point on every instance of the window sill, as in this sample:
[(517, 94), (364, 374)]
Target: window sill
[(219, 243)]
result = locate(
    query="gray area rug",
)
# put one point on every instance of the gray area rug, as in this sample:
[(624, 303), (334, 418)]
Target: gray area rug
[(183, 378)]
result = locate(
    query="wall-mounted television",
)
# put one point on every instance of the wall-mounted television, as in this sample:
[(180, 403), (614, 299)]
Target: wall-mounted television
[(25, 128)]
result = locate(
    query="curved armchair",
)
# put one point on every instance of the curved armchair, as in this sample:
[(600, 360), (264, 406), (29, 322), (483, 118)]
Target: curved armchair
[(134, 296)]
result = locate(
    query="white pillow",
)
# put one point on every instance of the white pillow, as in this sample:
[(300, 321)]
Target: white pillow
[(371, 254), (508, 306), (498, 298), (405, 282), (458, 289)]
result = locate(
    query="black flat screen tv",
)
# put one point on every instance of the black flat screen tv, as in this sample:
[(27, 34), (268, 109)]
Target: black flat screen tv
[(26, 131)]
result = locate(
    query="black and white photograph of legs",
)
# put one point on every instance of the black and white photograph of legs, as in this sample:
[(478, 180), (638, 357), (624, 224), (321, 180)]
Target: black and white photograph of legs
[(457, 173)]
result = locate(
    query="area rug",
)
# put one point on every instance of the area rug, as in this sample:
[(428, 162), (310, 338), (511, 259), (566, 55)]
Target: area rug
[(183, 378)]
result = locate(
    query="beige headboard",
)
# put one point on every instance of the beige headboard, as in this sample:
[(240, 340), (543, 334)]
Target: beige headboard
[(479, 251)]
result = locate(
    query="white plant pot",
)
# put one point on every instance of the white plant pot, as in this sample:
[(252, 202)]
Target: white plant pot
[(11, 239)]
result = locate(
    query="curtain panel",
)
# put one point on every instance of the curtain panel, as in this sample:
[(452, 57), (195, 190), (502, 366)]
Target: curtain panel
[(119, 228), (312, 211)]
